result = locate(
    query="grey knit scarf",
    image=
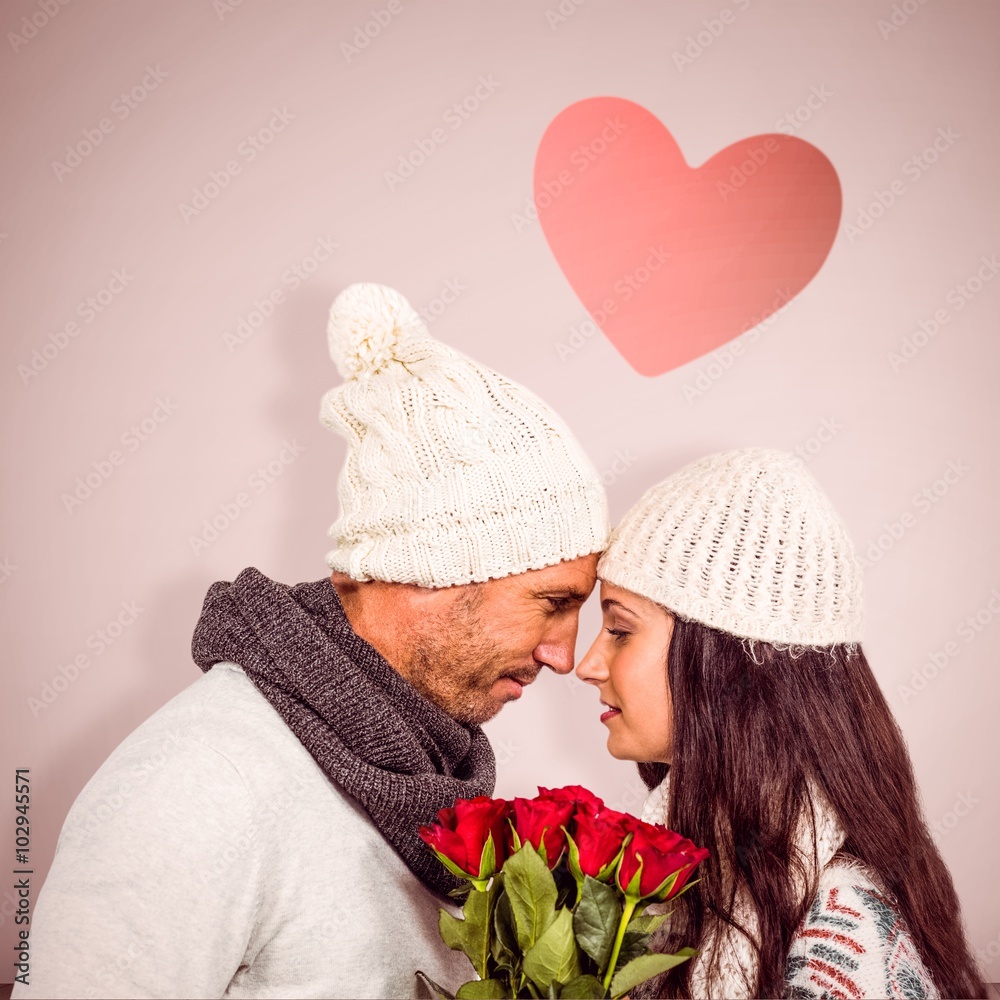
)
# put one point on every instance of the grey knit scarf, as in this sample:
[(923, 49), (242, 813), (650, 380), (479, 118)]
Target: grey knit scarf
[(399, 755)]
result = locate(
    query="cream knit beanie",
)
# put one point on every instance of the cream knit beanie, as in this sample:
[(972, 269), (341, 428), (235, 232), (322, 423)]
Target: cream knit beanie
[(744, 541), (454, 474)]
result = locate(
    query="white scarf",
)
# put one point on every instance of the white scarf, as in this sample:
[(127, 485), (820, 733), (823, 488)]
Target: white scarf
[(737, 959)]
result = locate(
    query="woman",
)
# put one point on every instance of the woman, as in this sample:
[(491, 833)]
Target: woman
[(730, 669)]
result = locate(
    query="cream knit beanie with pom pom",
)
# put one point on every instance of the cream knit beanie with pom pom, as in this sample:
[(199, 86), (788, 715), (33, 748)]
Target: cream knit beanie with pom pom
[(454, 474), (744, 541)]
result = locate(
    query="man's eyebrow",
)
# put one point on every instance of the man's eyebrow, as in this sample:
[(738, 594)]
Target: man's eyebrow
[(562, 593)]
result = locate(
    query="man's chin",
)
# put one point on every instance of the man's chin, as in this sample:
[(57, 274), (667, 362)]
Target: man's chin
[(486, 704), (489, 705)]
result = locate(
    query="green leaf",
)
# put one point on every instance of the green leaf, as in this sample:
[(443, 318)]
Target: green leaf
[(488, 859), (635, 941), (554, 956), (504, 964), (607, 872), (439, 991), (596, 920), (643, 968), (634, 944), (632, 889), (477, 924), (566, 887), (516, 839), (471, 935), (573, 858), (505, 937), (481, 989), (450, 865), (531, 890), (542, 852), (504, 950), (647, 923), (583, 988), (451, 929), (685, 889), (664, 888)]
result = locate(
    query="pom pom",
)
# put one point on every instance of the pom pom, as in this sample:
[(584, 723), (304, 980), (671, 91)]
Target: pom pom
[(367, 323)]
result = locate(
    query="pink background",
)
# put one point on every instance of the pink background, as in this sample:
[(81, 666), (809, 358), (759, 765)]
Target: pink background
[(816, 377)]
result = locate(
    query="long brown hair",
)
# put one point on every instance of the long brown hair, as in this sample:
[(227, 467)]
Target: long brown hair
[(753, 726)]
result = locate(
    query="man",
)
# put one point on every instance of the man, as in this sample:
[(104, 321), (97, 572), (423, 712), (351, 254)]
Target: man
[(257, 836)]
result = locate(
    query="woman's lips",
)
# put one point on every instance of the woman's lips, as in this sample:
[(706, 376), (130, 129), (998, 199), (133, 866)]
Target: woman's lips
[(610, 714)]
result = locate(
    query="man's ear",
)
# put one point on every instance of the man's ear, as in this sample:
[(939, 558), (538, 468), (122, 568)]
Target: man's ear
[(376, 597), (348, 589)]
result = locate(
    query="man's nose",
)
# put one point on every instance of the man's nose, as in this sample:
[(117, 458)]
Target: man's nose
[(557, 650), (558, 656)]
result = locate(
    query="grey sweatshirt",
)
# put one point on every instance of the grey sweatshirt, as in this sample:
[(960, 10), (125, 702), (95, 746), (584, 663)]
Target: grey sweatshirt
[(210, 856)]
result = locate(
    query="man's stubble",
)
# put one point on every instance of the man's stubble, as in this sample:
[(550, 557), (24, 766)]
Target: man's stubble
[(453, 662)]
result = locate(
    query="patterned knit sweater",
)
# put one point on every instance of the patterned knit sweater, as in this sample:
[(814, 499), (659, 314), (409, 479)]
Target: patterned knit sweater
[(854, 944)]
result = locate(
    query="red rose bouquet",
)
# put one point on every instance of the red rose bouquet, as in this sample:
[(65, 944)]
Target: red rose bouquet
[(555, 894)]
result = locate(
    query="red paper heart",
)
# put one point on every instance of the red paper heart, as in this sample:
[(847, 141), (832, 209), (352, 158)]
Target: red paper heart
[(673, 261)]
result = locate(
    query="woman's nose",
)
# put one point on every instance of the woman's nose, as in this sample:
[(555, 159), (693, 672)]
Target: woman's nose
[(592, 667)]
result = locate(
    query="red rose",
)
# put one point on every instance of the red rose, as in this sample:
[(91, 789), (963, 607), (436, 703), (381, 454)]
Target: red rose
[(585, 801), (661, 852), (539, 822), (599, 838), (461, 833)]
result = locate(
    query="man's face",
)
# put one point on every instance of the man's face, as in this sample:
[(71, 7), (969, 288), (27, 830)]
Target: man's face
[(472, 649)]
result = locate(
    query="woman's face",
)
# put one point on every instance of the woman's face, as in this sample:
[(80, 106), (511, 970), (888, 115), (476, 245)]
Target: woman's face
[(628, 665)]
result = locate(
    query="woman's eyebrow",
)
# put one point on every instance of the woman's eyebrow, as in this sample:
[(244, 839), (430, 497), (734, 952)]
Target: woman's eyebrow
[(609, 602)]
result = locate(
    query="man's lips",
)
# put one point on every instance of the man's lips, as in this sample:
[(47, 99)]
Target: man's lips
[(516, 683)]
